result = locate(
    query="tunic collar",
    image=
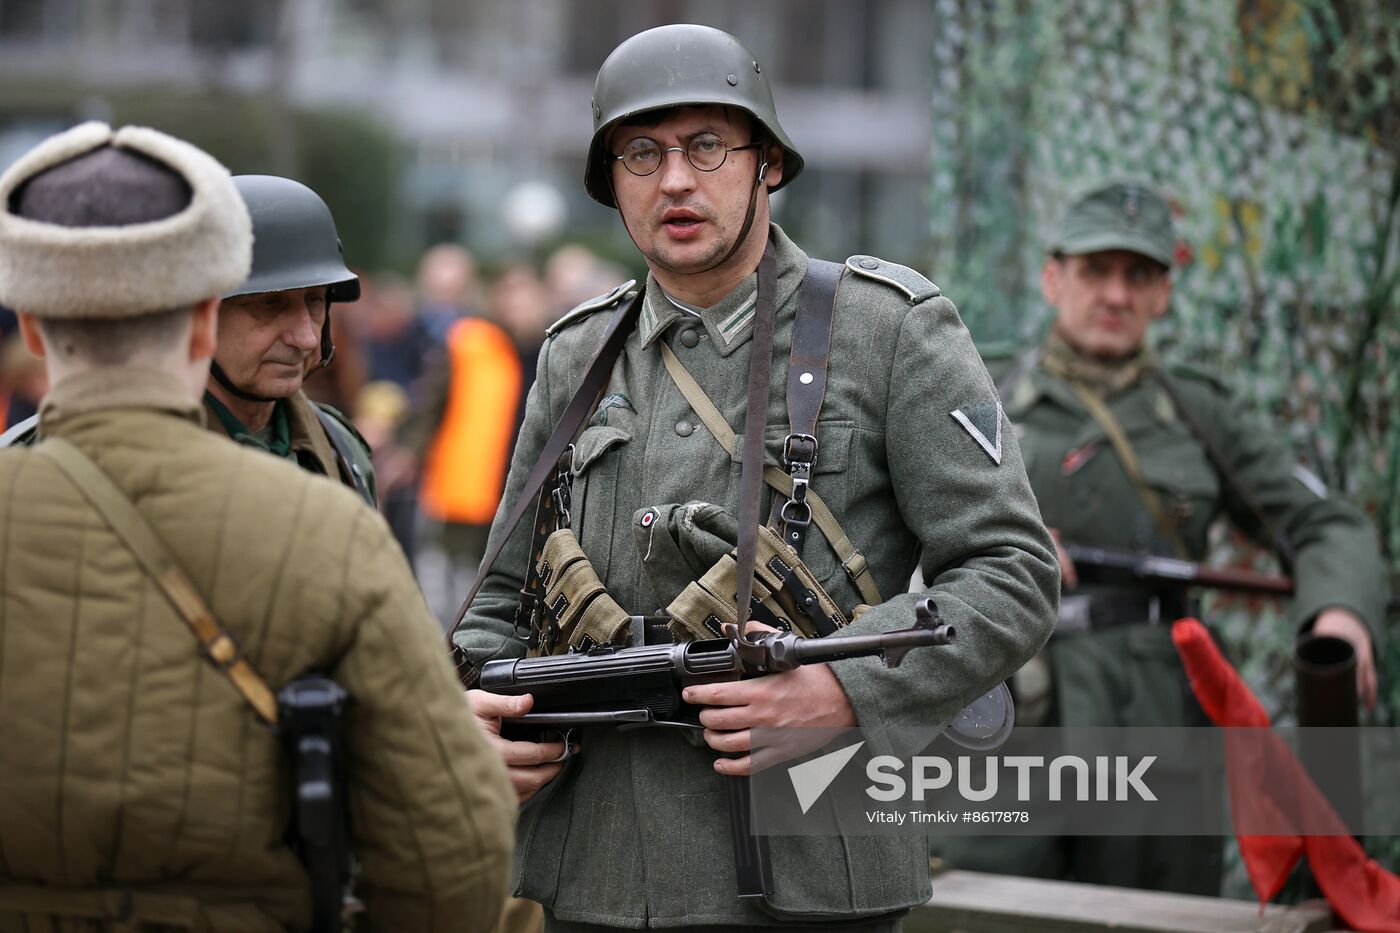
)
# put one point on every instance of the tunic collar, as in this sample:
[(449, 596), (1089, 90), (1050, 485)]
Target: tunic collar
[(729, 324), (276, 439), (113, 387)]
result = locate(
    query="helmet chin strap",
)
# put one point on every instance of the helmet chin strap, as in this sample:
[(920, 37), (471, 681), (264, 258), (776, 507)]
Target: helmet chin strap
[(324, 358), (748, 218), (222, 379)]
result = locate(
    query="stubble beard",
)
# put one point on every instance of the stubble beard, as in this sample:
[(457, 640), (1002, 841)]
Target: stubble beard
[(668, 258)]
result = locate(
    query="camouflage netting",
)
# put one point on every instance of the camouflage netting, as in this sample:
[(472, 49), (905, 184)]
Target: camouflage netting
[(1274, 128)]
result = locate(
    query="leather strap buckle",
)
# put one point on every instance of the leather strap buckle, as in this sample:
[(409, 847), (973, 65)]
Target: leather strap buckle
[(799, 452), (223, 651)]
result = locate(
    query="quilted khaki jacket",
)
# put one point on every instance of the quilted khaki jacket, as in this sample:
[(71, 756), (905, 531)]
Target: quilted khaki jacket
[(128, 763)]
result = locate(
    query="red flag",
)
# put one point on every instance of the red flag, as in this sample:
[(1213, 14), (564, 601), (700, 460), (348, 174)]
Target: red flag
[(1361, 892)]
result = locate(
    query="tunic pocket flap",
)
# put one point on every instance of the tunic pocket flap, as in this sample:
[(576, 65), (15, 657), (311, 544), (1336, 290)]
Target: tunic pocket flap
[(1189, 477), (596, 441)]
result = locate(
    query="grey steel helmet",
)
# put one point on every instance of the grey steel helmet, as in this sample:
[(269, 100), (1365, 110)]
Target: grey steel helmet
[(673, 66), (295, 245)]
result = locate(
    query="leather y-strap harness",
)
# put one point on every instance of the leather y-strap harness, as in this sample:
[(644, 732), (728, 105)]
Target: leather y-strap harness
[(810, 352), (806, 389)]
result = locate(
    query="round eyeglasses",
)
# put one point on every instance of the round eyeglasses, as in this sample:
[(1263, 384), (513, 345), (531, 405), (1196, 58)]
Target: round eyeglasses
[(705, 151)]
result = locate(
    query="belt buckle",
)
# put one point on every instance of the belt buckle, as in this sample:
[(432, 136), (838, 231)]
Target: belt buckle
[(1075, 615)]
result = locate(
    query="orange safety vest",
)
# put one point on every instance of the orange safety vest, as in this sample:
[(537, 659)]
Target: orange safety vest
[(466, 467)]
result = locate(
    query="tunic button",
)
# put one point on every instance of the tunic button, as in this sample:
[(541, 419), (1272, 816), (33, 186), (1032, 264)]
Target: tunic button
[(684, 428), (689, 337), (869, 263)]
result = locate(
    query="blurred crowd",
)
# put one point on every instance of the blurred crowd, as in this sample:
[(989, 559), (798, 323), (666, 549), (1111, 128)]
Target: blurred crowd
[(434, 372)]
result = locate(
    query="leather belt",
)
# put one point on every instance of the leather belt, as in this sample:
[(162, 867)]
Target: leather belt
[(1090, 612)]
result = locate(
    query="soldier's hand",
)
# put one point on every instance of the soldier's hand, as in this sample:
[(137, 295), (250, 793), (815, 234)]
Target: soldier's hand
[(807, 700), (531, 765), (1069, 577), (1344, 624)]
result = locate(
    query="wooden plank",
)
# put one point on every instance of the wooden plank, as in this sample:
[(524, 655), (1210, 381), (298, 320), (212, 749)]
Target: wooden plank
[(972, 902)]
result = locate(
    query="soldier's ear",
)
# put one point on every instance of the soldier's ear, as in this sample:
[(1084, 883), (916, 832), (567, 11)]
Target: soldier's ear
[(773, 155), (1162, 299), (1052, 280), (29, 333), (204, 330)]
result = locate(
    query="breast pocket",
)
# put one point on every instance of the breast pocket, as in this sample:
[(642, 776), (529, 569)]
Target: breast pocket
[(596, 463), (830, 479), (1187, 485)]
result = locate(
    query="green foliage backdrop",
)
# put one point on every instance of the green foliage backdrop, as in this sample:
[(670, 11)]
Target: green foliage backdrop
[(1274, 128)]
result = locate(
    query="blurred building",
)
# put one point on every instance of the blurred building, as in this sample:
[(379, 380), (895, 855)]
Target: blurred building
[(486, 96)]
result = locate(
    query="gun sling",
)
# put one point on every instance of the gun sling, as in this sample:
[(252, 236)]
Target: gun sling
[(1286, 551), (348, 467), (1098, 409), (220, 647), (578, 411), (751, 470)]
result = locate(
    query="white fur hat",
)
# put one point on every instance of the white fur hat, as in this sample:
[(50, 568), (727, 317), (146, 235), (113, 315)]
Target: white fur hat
[(54, 271)]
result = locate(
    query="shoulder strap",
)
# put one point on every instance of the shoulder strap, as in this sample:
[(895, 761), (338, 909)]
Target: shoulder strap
[(576, 414), (852, 561), (335, 432), (1282, 543), (806, 389), (218, 645)]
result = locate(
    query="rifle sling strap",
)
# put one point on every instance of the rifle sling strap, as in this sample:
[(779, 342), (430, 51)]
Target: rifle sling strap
[(576, 414), (349, 468), (218, 645), (755, 421), (1281, 541)]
